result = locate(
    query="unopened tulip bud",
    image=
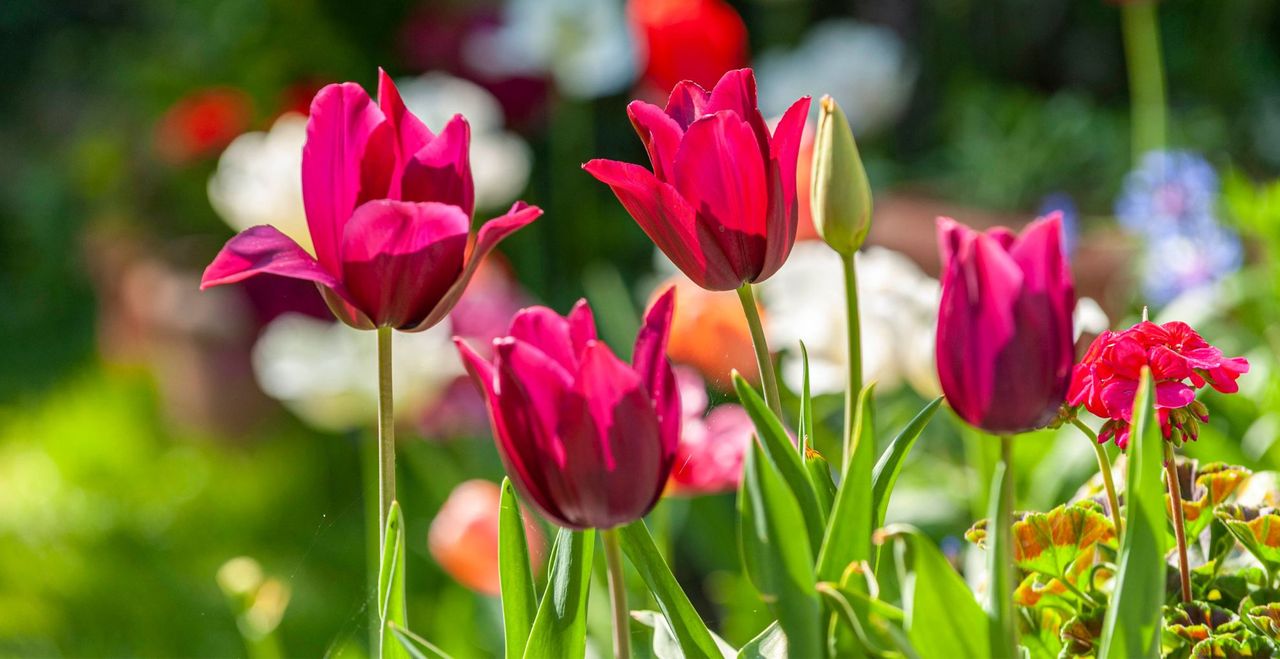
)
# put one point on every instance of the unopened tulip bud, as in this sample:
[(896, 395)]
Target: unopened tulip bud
[(841, 194)]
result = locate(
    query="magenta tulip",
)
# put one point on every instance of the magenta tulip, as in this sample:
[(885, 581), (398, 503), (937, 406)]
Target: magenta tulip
[(389, 208), (588, 439), (721, 199), (1004, 342)]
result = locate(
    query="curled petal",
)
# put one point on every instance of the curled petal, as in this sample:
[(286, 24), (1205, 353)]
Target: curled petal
[(649, 359), (441, 170), (264, 250), (687, 102), (783, 217), (660, 135)]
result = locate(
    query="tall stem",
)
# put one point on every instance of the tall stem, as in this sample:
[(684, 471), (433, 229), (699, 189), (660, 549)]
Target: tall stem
[(1179, 526), (768, 378), (386, 434), (1004, 629), (1108, 483), (1146, 76), (618, 595), (854, 336)]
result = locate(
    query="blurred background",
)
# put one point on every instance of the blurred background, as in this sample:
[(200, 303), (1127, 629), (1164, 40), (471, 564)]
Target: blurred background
[(181, 473)]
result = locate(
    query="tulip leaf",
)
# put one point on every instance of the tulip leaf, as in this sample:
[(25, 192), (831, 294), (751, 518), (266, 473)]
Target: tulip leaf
[(806, 403), (889, 466), (686, 625), (416, 646), (1003, 625), (848, 536), (1132, 625), (942, 618), (871, 620), (781, 453), (768, 644), (560, 627), (391, 607), (665, 644), (519, 597), (814, 463), (775, 551)]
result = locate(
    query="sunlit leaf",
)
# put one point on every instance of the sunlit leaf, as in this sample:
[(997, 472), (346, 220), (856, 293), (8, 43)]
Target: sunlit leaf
[(887, 468), (686, 626), (942, 618), (391, 607), (1258, 530), (665, 645), (768, 644), (1188, 623), (1051, 543), (519, 597), (560, 627), (1203, 488), (848, 536), (1265, 618), (416, 646), (1082, 634), (1230, 647)]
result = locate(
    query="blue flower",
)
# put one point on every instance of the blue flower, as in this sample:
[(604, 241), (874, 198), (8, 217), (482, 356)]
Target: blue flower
[(1169, 191), (1179, 262)]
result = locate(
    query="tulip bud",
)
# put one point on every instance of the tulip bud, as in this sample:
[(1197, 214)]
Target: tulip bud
[(841, 194)]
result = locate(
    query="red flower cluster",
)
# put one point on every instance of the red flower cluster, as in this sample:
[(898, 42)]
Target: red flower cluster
[(1106, 380)]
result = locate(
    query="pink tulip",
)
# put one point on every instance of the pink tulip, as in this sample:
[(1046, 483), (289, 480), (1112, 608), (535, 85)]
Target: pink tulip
[(721, 199), (389, 208), (712, 446), (587, 439), (1004, 343)]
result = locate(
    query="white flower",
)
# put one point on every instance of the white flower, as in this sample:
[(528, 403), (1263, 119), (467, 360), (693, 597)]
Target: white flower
[(584, 44), (326, 372), (866, 69), (500, 160), (259, 180)]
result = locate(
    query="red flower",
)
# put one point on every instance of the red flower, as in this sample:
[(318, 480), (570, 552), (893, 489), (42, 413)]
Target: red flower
[(1181, 361), (696, 40), (201, 124)]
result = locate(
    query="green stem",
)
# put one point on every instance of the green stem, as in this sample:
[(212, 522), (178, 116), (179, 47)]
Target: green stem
[(1004, 629), (617, 594), (854, 336), (764, 361), (386, 434), (1146, 76), (1108, 482), (1179, 525)]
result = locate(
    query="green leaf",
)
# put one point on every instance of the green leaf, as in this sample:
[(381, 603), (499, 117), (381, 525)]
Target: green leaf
[(560, 628), (775, 551), (1051, 543), (943, 620), (665, 644), (848, 536), (806, 403), (391, 608), (1258, 531), (416, 646), (814, 463), (1132, 626), (1003, 626), (687, 626), (890, 463), (782, 454), (768, 644), (870, 619), (519, 598)]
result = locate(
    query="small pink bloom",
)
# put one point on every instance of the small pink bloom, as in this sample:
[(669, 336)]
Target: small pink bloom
[(464, 536), (721, 199), (389, 206), (712, 446), (587, 439)]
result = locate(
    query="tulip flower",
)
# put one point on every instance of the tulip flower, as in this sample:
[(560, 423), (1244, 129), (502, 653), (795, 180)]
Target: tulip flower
[(1004, 343), (841, 195), (587, 439), (388, 206), (721, 199)]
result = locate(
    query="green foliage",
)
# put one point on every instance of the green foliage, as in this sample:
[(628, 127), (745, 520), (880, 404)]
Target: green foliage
[(560, 628), (391, 607), (848, 536), (685, 625), (519, 599), (942, 618)]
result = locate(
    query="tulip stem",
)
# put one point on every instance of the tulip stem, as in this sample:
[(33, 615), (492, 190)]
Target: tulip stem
[(1108, 483), (764, 361), (386, 434), (1003, 627), (618, 594), (1179, 526), (854, 336)]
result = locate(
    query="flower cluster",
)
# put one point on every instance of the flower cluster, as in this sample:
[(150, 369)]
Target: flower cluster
[(1106, 379)]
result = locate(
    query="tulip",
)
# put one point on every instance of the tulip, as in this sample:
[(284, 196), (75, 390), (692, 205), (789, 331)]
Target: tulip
[(588, 440), (841, 200), (721, 199), (463, 537), (1004, 343), (388, 206)]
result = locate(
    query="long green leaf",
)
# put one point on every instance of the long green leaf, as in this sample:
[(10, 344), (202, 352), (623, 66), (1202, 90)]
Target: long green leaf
[(768, 644), (665, 643), (848, 536), (1003, 625), (890, 463), (686, 625), (781, 453), (416, 646), (519, 598), (391, 607), (806, 403), (560, 628), (814, 463), (1132, 625), (775, 550), (870, 619), (943, 620)]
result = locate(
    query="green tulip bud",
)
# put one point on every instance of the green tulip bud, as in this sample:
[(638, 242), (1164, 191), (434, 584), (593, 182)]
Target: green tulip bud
[(841, 194)]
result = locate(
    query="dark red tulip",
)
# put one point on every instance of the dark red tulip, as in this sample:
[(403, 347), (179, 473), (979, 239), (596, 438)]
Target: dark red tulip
[(588, 439)]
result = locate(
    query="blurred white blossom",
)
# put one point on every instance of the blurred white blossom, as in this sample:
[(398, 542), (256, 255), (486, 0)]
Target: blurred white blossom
[(259, 180), (326, 372), (585, 45), (865, 68)]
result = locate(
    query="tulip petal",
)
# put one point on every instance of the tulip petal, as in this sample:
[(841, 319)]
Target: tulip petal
[(547, 331), (649, 359), (441, 170), (783, 217), (492, 233), (342, 119), (264, 250), (399, 259), (582, 327), (669, 222), (720, 172), (660, 135), (736, 92), (687, 102), (411, 133)]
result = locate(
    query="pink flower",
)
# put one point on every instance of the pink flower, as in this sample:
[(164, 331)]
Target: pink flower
[(1181, 361), (464, 536), (389, 208), (712, 447), (587, 439), (1004, 341), (721, 199)]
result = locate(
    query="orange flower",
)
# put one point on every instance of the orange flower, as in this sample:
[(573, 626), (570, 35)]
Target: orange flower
[(464, 536), (709, 332)]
